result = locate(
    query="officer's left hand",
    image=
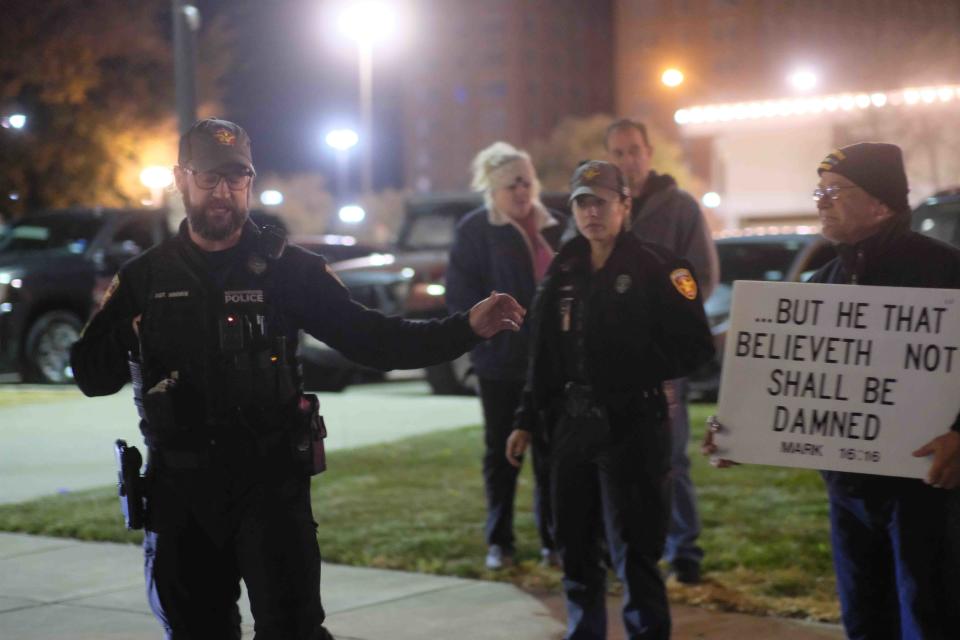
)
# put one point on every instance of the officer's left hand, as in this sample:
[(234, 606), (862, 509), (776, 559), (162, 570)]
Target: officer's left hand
[(496, 313), (945, 470)]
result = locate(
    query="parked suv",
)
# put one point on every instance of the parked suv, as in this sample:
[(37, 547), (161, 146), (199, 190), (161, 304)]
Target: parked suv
[(52, 265)]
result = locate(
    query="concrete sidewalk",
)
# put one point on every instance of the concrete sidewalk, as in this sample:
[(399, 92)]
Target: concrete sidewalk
[(53, 588)]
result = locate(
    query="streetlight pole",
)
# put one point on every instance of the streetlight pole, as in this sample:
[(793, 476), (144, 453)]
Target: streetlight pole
[(365, 51), (186, 22), (366, 22)]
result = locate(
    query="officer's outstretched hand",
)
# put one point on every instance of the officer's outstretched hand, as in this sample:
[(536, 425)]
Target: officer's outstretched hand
[(496, 313), (709, 448), (517, 444), (945, 470)]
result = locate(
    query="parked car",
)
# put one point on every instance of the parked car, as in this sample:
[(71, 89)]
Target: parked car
[(939, 216), (750, 255), (52, 266), (409, 280)]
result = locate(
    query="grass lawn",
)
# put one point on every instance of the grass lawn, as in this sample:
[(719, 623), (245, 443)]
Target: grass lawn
[(418, 505), (15, 395)]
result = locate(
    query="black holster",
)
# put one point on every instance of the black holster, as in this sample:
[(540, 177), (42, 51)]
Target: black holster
[(308, 446), (130, 485)]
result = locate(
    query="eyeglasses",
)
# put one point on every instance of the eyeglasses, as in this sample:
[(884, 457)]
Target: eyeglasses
[(208, 180), (832, 192)]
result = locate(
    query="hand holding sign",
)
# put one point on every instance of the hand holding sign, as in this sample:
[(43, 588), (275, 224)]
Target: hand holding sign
[(945, 471), (709, 448)]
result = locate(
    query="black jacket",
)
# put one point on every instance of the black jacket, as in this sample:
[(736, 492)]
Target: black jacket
[(640, 319), (895, 256), (184, 307), (489, 257)]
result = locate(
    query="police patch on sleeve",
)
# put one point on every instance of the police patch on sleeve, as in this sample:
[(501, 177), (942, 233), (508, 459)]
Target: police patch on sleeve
[(683, 280)]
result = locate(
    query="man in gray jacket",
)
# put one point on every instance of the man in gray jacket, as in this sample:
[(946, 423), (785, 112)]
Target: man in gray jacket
[(671, 217)]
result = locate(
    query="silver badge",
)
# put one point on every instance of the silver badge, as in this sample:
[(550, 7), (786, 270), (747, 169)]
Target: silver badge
[(622, 283), (257, 264)]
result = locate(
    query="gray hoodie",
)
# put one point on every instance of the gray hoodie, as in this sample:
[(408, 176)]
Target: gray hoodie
[(670, 217)]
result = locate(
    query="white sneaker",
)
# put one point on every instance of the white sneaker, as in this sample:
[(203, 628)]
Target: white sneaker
[(497, 558)]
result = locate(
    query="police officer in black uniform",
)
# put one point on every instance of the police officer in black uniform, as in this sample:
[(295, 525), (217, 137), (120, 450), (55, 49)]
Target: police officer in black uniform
[(613, 319), (206, 326)]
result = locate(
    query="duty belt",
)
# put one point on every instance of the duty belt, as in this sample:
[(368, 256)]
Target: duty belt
[(582, 399)]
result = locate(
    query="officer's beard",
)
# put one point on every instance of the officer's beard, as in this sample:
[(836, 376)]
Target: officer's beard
[(208, 227)]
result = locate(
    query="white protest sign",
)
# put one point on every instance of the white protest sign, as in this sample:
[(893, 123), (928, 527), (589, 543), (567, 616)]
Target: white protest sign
[(838, 377)]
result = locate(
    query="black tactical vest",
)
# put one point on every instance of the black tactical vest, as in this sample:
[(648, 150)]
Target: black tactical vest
[(227, 346)]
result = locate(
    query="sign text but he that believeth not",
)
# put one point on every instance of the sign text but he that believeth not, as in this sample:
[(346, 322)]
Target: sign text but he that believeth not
[(838, 377)]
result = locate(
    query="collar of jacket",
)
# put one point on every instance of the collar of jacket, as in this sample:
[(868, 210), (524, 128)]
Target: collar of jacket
[(862, 257), (543, 217), (575, 254)]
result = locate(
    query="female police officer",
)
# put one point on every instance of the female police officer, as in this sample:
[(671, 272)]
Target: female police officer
[(613, 319)]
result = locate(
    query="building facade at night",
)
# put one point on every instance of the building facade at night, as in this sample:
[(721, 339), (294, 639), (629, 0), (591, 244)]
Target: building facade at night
[(513, 69), (885, 69), (498, 70)]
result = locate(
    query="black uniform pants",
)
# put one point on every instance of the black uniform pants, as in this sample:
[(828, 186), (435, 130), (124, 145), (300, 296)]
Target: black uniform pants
[(624, 480), (500, 399), (206, 533)]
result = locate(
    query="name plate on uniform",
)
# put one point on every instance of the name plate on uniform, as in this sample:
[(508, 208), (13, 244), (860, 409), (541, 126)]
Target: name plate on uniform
[(838, 377)]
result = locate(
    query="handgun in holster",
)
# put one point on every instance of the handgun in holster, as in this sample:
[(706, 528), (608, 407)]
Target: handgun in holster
[(309, 448), (130, 484)]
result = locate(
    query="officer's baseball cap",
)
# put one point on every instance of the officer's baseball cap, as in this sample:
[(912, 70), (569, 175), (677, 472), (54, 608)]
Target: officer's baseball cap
[(212, 143), (597, 173)]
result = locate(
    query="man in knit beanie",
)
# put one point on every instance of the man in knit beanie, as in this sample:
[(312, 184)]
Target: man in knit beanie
[(893, 547)]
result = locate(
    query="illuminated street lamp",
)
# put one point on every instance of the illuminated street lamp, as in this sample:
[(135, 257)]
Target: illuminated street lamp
[(14, 121), (672, 77), (352, 214), (341, 141), (157, 179), (271, 198), (803, 80), (367, 23), (711, 200)]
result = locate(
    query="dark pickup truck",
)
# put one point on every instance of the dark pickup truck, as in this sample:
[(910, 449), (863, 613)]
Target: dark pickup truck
[(54, 267)]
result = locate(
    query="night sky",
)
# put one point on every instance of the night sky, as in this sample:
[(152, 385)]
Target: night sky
[(294, 78)]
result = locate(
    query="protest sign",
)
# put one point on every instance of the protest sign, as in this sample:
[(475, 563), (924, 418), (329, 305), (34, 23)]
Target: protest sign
[(838, 377)]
